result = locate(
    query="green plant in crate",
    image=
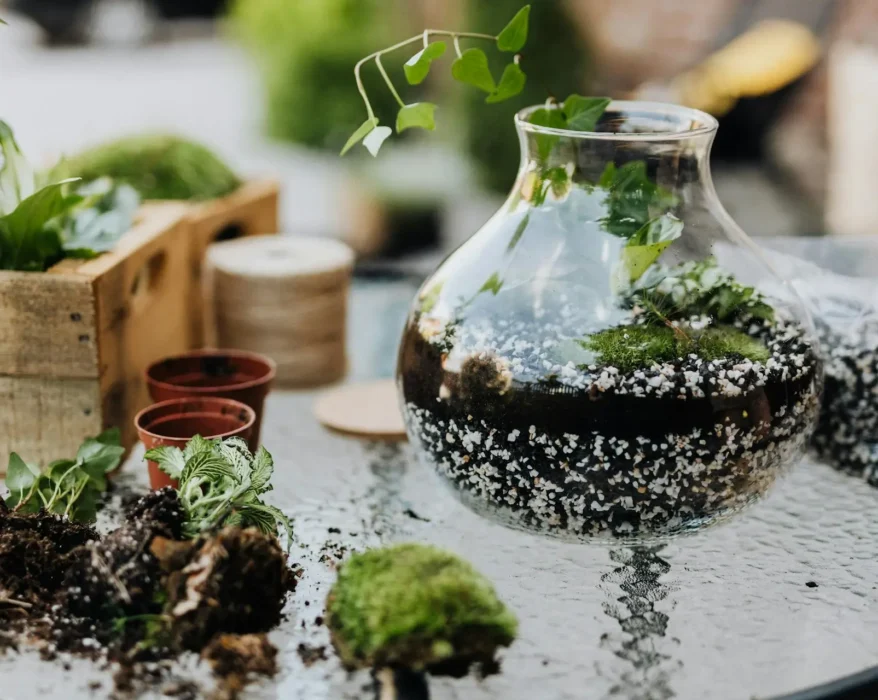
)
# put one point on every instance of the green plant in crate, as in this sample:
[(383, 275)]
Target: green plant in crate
[(40, 225), (304, 51), (69, 487), (157, 166)]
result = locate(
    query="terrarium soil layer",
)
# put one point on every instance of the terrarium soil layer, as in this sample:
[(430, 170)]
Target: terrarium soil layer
[(577, 462)]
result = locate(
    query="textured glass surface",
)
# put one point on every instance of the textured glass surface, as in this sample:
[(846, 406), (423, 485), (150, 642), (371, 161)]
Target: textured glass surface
[(724, 614)]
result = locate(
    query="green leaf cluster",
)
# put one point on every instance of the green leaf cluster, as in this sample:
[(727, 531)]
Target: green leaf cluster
[(470, 67), (414, 606), (69, 487), (577, 113), (640, 346), (220, 483), (699, 288)]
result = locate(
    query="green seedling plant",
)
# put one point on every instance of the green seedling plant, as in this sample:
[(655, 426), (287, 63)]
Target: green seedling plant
[(220, 483), (470, 67), (68, 487)]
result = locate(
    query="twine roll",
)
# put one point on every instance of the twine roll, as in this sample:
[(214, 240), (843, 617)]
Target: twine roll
[(285, 297)]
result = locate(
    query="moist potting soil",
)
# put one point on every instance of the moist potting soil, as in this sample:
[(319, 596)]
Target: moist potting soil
[(141, 595)]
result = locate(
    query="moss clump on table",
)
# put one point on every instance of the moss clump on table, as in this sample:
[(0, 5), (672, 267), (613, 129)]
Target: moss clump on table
[(417, 607), (628, 348), (157, 166)]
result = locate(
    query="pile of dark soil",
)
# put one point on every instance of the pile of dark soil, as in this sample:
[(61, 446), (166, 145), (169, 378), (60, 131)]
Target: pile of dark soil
[(141, 594)]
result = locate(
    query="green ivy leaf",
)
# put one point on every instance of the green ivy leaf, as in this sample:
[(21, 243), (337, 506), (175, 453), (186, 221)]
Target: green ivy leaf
[(648, 243), (418, 66), (111, 436), (472, 68), (20, 476), (551, 118), (376, 139), (511, 84), (169, 459), (365, 129), (583, 113), (514, 35), (421, 115), (519, 231), (493, 285), (99, 456)]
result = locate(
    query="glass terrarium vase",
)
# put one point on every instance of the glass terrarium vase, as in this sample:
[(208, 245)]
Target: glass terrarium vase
[(610, 354)]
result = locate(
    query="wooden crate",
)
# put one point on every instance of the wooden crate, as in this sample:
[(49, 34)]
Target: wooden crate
[(75, 340), (251, 210)]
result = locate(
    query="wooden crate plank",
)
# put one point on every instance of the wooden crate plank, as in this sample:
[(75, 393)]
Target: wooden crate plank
[(144, 301), (47, 325), (46, 418)]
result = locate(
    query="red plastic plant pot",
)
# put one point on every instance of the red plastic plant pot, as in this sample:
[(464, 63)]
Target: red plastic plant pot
[(230, 374), (176, 421)]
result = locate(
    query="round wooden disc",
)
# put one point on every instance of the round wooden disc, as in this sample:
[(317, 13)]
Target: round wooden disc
[(276, 259), (369, 409)]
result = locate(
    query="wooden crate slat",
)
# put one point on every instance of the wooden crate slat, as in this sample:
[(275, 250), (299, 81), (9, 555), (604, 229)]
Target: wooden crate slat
[(47, 325), (46, 418)]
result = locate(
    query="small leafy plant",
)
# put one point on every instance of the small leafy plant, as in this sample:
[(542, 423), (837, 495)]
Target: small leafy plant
[(470, 66), (68, 487), (41, 225), (220, 483)]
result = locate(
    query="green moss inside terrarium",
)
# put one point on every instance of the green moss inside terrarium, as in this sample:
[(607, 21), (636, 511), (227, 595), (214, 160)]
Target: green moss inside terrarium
[(417, 607), (628, 348)]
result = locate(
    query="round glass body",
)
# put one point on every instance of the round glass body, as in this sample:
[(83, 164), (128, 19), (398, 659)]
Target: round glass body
[(610, 355)]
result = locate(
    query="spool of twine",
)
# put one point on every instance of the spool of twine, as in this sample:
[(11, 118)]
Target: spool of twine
[(285, 297)]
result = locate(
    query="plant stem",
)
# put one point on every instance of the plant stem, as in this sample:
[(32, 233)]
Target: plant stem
[(16, 603), (388, 81), (457, 50), (425, 37)]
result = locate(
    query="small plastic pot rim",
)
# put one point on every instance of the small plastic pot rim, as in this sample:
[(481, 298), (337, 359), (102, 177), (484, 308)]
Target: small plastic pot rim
[(207, 390), (251, 416)]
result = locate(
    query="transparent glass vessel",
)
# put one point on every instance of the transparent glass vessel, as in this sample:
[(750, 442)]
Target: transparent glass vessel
[(610, 355)]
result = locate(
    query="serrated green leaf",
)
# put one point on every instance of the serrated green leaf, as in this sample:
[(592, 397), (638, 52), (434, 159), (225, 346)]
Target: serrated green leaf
[(364, 130), (421, 115), (511, 83), (20, 476), (514, 35), (237, 454), (471, 67), (493, 285), (551, 118), (196, 445), (263, 469), (418, 66), (583, 113), (376, 139), (170, 460), (211, 467)]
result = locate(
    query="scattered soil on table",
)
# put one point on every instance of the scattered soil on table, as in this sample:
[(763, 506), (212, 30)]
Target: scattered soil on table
[(311, 654), (140, 596)]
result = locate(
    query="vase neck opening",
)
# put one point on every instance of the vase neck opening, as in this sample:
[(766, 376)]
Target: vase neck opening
[(665, 144)]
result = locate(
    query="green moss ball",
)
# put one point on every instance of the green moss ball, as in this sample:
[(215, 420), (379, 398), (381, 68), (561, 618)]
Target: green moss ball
[(157, 166), (417, 607)]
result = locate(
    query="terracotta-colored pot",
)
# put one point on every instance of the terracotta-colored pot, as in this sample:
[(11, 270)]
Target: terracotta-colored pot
[(175, 422), (229, 374)]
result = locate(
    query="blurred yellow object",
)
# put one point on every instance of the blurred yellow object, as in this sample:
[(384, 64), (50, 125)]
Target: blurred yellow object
[(761, 61)]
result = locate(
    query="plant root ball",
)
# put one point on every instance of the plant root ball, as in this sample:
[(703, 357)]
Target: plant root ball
[(233, 582), (416, 607)]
